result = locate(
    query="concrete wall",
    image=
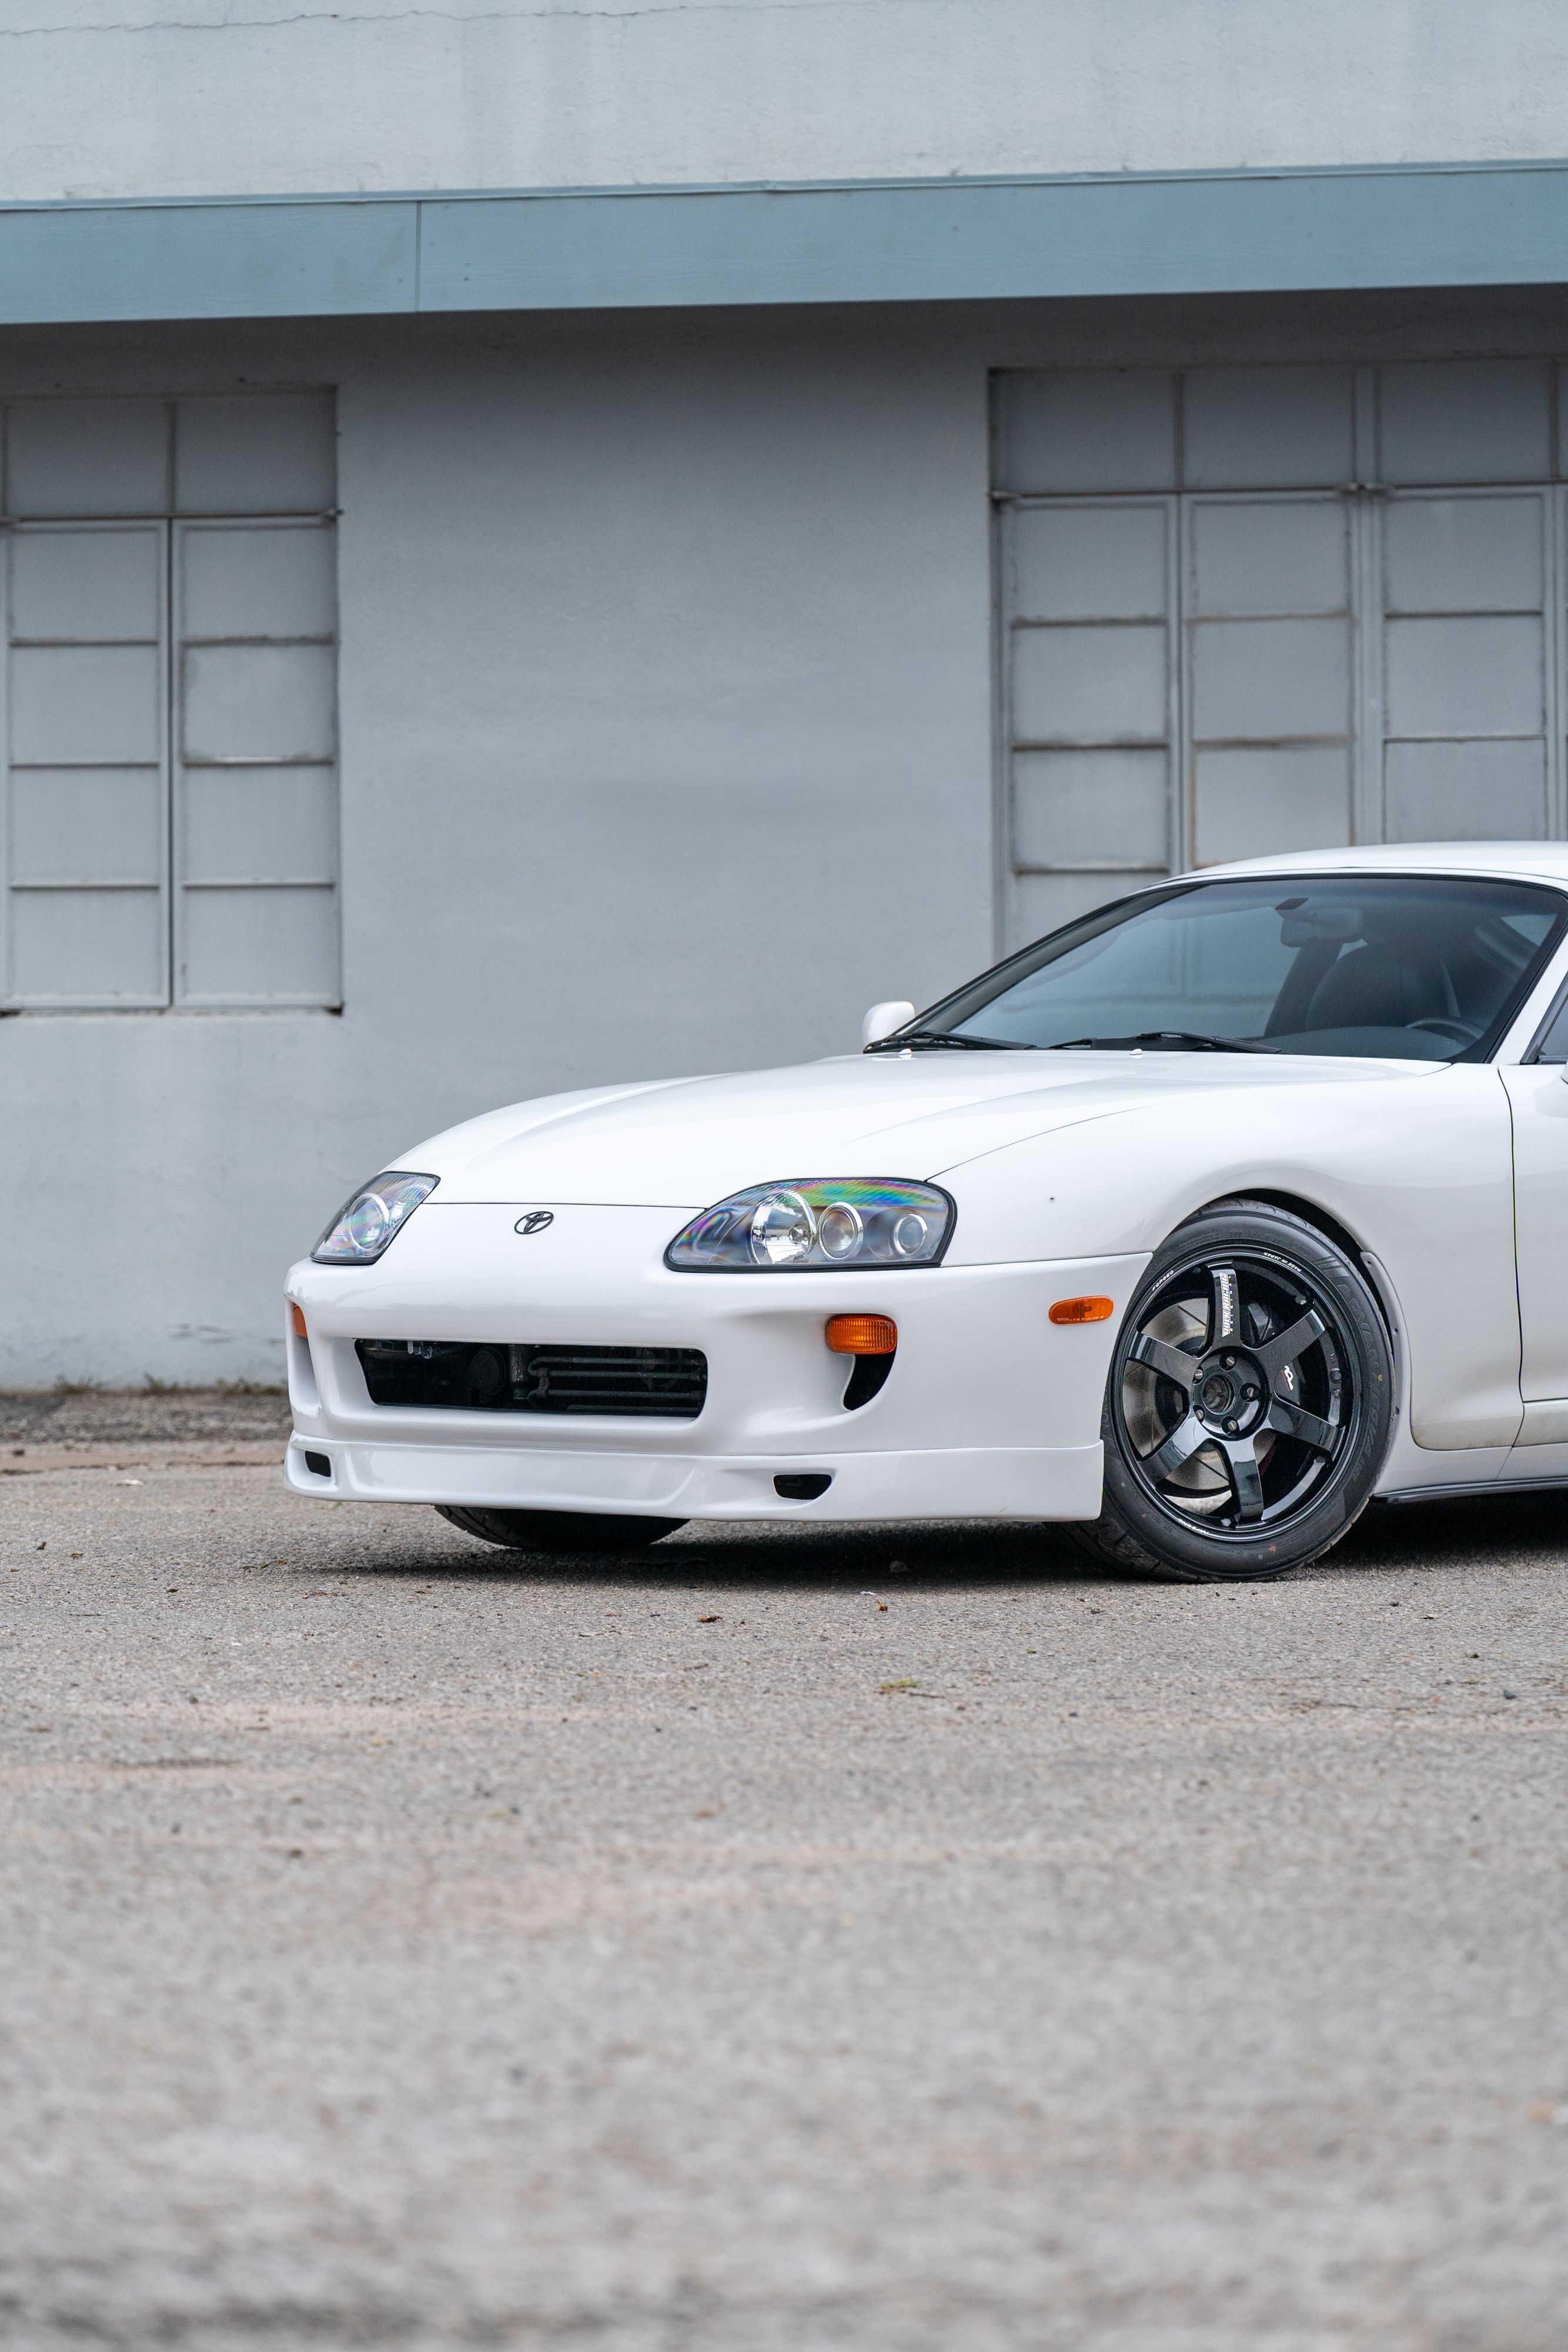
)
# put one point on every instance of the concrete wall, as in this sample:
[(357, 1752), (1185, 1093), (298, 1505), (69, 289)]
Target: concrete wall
[(137, 97), (666, 746)]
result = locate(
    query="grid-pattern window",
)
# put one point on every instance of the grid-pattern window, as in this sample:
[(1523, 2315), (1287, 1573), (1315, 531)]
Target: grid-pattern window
[(1246, 610), (168, 708)]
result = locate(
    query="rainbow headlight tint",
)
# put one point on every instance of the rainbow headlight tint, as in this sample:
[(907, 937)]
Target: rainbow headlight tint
[(369, 1221), (808, 1224)]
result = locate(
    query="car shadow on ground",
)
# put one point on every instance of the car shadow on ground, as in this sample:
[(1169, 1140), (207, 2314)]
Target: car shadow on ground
[(1528, 1531)]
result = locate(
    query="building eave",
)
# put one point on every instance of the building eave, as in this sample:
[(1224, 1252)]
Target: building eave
[(930, 240)]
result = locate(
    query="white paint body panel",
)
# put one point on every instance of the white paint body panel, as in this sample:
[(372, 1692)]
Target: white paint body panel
[(1068, 1170), (1539, 1104)]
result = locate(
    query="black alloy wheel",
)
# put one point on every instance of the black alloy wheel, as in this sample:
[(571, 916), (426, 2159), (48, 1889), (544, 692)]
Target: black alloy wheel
[(581, 1534), (1249, 1404)]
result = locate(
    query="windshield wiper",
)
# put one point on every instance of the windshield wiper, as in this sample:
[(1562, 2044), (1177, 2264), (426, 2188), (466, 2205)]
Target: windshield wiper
[(903, 1037), (1195, 1040)]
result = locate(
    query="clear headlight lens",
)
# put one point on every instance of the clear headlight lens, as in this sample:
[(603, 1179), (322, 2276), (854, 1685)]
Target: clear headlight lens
[(372, 1219), (841, 1231), (781, 1230), (808, 1225)]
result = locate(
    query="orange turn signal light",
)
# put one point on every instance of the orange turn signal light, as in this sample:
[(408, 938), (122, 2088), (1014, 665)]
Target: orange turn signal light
[(862, 1335), (1082, 1310), (298, 1313)]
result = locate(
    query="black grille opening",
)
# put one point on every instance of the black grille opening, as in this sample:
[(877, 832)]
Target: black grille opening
[(452, 1375), (803, 1485)]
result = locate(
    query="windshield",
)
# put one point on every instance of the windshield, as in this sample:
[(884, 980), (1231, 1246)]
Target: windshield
[(1405, 966)]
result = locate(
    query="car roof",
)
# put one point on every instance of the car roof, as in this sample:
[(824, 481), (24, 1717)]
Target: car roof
[(1523, 861)]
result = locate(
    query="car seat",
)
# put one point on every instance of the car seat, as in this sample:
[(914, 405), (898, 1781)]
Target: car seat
[(1378, 987)]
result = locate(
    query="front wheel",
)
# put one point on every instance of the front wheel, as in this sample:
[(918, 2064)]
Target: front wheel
[(1249, 1405), (582, 1534)]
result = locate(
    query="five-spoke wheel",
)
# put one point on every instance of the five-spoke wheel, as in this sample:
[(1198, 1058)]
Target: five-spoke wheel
[(1249, 1403)]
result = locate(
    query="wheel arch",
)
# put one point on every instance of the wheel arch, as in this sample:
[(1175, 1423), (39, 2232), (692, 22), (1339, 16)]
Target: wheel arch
[(1295, 1204), (1322, 1220)]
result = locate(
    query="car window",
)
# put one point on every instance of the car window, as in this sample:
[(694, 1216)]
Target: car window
[(1414, 967)]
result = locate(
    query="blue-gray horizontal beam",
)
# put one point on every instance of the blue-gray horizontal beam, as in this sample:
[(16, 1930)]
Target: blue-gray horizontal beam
[(869, 241), (322, 257)]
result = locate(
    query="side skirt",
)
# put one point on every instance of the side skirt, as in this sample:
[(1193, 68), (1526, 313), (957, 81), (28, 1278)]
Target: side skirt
[(1472, 1487)]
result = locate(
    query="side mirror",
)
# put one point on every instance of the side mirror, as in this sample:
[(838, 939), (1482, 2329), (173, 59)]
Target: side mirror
[(883, 1019)]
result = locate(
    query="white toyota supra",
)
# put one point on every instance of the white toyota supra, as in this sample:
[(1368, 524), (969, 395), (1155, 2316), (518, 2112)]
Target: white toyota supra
[(1194, 1225)]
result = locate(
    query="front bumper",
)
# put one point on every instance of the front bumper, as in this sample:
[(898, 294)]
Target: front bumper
[(989, 1411)]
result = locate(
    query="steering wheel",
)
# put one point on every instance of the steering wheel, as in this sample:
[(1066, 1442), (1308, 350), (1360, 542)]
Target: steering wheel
[(1463, 1033)]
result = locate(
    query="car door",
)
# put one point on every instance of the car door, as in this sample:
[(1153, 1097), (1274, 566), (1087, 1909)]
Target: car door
[(1538, 1098)]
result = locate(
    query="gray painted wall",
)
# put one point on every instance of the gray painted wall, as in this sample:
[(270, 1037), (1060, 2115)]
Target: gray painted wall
[(666, 746), (101, 98)]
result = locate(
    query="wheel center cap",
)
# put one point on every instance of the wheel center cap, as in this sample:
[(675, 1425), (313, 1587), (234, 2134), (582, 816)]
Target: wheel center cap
[(1230, 1393)]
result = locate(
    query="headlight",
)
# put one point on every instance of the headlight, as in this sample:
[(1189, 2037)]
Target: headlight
[(808, 1225), (369, 1223)]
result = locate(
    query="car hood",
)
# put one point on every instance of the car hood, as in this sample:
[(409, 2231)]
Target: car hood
[(685, 1142)]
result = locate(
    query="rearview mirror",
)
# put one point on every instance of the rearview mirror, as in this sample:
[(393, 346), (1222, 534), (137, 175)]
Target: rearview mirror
[(883, 1019), (1313, 923)]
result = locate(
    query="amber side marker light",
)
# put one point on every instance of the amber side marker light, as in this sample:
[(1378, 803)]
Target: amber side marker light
[(301, 1332), (1082, 1310), (862, 1335)]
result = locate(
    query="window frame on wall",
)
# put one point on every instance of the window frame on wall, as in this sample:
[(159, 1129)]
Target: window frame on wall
[(1396, 435), (203, 913)]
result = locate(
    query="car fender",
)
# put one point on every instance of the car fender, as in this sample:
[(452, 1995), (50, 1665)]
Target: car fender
[(1418, 1172)]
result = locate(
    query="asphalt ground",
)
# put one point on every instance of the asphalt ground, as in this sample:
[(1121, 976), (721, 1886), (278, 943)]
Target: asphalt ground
[(44, 1428), (797, 1941)]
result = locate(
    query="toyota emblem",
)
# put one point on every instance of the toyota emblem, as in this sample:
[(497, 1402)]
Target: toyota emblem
[(535, 1221)]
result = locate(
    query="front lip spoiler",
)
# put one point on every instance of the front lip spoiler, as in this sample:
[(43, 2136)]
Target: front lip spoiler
[(1032, 1483)]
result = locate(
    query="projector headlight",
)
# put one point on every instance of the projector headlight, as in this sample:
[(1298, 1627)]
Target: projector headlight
[(369, 1223), (811, 1224)]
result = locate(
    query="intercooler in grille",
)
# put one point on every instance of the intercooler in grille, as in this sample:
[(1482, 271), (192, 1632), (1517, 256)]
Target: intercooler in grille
[(451, 1375)]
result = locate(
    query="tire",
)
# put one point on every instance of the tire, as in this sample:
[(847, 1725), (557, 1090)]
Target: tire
[(585, 1534), (1251, 1341)]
